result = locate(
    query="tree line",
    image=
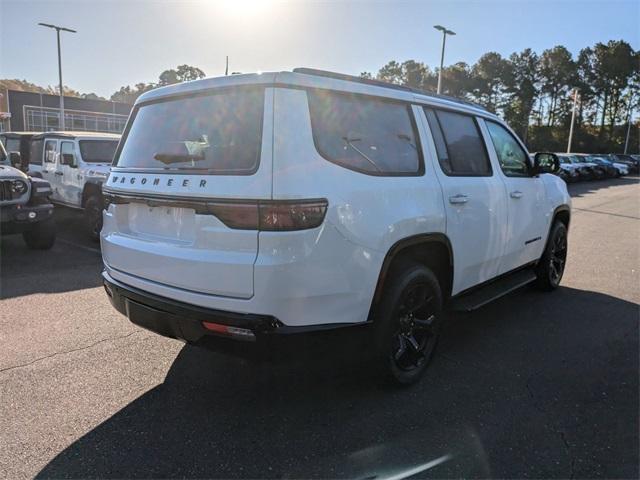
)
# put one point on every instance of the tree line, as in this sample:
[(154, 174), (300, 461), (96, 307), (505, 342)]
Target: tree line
[(534, 92), (126, 94), (182, 73)]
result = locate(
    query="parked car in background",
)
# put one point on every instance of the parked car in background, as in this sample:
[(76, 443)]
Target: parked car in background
[(18, 142), (584, 170), (75, 164), (598, 172), (632, 164), (569, 171), (611, 169), (24, 204), (245, 211)]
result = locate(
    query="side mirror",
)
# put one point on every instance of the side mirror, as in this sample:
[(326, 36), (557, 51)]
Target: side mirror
[(69, 159), (546, 162), (15, 159)]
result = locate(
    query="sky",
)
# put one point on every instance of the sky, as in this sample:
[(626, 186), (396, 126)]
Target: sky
[(125, 42)]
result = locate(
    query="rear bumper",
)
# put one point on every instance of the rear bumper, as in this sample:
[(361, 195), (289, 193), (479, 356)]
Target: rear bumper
[(186, 322)]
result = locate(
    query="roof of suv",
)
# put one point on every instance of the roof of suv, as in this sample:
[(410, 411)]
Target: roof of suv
[(310, 78), (18, 134), (80, 135)]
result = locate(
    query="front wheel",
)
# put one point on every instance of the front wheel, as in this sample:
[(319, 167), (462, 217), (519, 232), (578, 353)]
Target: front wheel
[(408, 323), (41, 236), (554, 258), (93, 216)]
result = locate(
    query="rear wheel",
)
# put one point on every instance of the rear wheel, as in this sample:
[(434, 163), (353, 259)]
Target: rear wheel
[(93, 216), (41, 236), (554, 258), (408, 323)]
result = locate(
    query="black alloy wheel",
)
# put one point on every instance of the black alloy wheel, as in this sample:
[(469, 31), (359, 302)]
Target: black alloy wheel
[(408, 322), (554, 259), (415, 337)]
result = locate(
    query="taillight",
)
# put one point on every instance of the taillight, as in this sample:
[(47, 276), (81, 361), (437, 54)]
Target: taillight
[(271, 215)]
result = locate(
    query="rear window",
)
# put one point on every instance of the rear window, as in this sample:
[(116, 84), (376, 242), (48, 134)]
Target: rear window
[(365, 134), (218, 133), (98, 151), (35, 155)]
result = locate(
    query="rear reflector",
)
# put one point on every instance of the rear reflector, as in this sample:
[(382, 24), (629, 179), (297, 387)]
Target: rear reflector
[(274, 216), (235, 332)]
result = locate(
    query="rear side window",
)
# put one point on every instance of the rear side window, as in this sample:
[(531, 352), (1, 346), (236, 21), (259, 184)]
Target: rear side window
[(217, 133), (12, 144), (97, 151), (460, 148), (365, 134), (35, 155)]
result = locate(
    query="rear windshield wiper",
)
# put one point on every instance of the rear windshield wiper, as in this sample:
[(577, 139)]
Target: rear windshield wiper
[(349, 141), (169, 158)]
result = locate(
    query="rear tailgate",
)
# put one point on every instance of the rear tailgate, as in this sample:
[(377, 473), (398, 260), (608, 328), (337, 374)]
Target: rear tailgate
[(179, 156)]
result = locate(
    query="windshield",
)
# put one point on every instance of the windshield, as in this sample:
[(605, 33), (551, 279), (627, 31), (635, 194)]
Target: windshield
[(98, 151), (219, 133)]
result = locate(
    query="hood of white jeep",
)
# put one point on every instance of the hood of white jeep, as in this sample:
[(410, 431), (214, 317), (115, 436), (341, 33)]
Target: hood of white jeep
[(11, 172)]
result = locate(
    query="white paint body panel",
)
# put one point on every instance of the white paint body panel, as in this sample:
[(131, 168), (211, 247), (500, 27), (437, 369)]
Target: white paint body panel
[(311, 277)]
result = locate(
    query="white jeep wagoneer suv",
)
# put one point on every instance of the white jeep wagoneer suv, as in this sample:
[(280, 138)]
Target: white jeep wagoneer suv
[(267, 206)]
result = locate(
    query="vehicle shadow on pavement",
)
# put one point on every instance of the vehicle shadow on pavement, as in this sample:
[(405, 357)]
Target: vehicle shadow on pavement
[(74, 262), (533, 385), (584, 188)]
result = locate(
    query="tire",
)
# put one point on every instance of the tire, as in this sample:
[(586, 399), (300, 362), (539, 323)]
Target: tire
[(408, 323), (551, 266), (41, 236), (93, 216)]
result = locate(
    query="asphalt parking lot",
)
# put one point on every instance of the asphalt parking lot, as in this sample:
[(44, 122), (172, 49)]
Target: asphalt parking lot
[(532, 386)]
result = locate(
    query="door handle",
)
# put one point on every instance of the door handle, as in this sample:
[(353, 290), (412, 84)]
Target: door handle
[(59, 173), (457, 199), (516, 194)]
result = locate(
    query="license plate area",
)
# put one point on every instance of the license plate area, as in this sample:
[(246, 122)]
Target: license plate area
[(169, 223)]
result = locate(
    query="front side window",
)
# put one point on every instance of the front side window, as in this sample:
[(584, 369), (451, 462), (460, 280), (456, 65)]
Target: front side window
[(220, 134), (511, 156), (460, 148), (97, 151), (365, 134), (66, 153), (50, 148)]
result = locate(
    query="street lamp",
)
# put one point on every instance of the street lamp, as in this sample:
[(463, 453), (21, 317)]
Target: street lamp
[(58, 29), (445, 32)]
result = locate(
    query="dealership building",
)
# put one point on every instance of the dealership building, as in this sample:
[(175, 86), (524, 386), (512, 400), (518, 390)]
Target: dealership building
[(40, 112)]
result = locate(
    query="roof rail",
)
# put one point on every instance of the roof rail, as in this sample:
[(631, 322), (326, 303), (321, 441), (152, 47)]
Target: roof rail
[(380, 83)]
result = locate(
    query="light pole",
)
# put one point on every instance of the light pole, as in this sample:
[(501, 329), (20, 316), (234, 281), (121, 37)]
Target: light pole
[(573, 118), (58, 29), (626, 140), (445, 32)]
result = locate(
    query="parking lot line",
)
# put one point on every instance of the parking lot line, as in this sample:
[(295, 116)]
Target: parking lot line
[(77, 245)]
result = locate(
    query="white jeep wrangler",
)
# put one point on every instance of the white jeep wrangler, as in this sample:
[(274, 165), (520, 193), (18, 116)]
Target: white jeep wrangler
[(75, 164), (253, 208), (24, 204)]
